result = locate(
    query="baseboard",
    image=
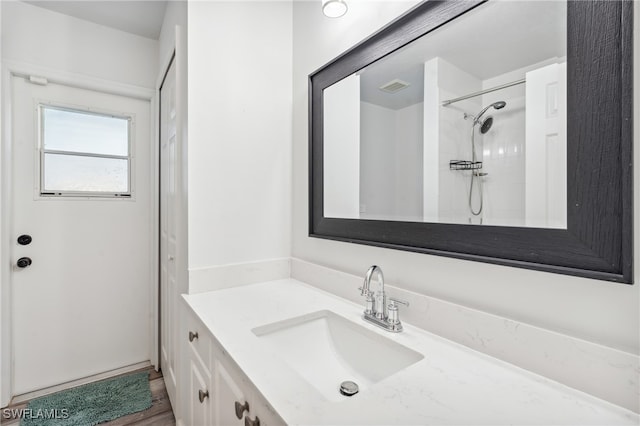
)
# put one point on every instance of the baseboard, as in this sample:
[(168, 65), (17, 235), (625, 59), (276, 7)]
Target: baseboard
[(607, 373), (237, 274)]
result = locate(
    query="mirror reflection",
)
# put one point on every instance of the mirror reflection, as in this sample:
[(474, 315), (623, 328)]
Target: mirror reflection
[(465, 125)]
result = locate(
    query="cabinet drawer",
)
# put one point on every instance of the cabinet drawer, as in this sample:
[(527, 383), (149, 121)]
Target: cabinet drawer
[(197, 336)]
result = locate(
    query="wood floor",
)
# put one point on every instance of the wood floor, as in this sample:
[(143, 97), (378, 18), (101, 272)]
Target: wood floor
[(160, 413)]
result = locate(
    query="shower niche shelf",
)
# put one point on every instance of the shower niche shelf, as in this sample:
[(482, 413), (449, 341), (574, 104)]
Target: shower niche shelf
[(465, 165)]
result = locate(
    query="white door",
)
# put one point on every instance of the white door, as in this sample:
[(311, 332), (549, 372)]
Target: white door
[(82, 307), (168, 228), (546, 147)]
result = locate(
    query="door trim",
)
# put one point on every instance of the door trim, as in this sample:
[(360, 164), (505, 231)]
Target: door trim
[(10, 69)]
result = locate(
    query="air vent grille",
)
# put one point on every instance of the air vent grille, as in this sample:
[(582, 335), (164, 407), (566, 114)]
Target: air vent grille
[(394, 86)]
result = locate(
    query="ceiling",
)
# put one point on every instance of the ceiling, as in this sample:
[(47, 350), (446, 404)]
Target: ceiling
[(495, 38), (140, 17)]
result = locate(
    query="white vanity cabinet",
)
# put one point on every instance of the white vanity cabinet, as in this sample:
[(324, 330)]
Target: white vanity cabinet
[(215, 391)]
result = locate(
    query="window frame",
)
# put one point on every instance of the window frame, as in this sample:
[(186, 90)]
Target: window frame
[(42, 193)]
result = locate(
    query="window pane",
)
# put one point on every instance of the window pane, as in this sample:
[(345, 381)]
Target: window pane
[(83, 132), (90, 174)]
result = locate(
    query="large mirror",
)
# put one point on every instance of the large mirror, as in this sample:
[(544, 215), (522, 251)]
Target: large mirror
[(482, 113), (464, 125)]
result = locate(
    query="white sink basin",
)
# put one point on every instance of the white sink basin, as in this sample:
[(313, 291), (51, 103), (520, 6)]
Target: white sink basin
[(327, 349)]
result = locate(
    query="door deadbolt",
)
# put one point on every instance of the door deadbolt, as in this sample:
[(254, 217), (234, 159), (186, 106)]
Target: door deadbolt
[(24, 240), (23, 262)]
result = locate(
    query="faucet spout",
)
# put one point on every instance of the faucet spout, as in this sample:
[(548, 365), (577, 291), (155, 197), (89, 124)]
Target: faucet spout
[(380, 308), (367, 279)]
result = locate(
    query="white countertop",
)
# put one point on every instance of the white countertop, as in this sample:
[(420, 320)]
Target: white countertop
[(451, 385)]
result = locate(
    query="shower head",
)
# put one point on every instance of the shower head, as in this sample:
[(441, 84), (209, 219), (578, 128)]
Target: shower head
[(485, 124), (496, 105)]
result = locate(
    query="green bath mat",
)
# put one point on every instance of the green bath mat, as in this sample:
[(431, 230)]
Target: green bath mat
[(90, 404)]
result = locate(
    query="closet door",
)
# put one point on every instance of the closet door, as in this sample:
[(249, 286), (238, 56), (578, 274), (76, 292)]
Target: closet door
[(168, 231)]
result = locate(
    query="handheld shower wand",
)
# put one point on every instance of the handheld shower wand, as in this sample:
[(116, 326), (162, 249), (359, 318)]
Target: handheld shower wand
[(485, 125)]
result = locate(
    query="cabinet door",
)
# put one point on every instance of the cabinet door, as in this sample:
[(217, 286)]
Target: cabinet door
[(228, 393), (263, 411), (199, 404)]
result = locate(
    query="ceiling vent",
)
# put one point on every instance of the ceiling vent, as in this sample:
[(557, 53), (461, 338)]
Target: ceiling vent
[(394, 86)]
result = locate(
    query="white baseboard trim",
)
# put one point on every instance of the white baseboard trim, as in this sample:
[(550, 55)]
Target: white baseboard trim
[(237, 274), (607, 373)]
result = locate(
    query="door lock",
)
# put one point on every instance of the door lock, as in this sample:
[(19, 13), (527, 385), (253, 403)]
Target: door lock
[(24, 240), (23, 262)]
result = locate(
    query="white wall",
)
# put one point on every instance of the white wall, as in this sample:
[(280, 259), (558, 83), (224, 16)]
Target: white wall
[(408, 159), (239, 155), (341, 149), (431, 144), (593, 310), (41, 37), (377, 168), (391, 162)]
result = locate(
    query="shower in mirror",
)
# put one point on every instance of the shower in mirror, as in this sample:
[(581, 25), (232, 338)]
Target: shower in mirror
[(476, 174)]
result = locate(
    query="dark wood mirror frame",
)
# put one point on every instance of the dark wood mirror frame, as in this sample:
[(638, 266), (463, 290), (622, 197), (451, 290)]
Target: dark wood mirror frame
[(598, 241)]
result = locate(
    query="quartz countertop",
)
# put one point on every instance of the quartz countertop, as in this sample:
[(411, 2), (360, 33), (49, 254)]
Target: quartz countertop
[(452, 384)]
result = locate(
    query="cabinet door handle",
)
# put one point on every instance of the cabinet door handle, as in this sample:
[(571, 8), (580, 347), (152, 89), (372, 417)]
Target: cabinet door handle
[(249, 422), (203, 395), (193, 336), (241, 408)]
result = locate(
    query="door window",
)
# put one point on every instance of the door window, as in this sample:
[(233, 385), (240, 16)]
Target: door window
[(84, 153)]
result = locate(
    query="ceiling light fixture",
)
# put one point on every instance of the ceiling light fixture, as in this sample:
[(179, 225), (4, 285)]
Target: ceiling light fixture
[(334, 8)]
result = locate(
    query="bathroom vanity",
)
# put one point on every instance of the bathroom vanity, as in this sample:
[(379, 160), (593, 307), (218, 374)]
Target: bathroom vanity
[(277, 352)]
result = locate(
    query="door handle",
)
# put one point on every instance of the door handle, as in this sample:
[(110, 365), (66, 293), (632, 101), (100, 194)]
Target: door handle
[(23, 262)]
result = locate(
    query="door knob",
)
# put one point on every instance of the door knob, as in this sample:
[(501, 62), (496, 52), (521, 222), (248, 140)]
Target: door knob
[(24, 240), (23, 262)]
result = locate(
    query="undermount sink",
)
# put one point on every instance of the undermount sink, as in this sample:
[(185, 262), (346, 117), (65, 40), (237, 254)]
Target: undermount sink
[(327, 349)]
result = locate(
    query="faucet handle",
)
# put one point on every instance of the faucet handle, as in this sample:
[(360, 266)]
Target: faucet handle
[(365, 293), (393, 318), (393, 301), (369, 308)]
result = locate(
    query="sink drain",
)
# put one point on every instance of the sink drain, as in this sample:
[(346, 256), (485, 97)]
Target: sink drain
[(349, 388)]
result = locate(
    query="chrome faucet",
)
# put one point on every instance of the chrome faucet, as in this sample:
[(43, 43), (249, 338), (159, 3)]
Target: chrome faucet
[(376, 310)]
